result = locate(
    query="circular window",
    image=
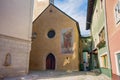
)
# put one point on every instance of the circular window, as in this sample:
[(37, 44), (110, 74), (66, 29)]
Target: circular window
[(51, 34)]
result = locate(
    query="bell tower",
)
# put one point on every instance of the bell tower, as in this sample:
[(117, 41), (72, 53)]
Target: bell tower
[(39, 7)]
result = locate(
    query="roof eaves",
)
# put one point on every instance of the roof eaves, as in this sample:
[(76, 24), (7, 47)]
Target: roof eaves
[(77, 24), (90, 10)]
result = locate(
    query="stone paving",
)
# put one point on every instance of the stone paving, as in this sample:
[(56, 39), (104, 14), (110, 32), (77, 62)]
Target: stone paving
[(60, 75)]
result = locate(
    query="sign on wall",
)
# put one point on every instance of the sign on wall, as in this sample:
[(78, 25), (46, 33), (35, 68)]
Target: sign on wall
[(67, 40)]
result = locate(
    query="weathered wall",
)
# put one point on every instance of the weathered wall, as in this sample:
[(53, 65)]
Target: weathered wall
[(19, 50), (42, 45), (113, 32), (15, 36), (98, 23), (16, 18)]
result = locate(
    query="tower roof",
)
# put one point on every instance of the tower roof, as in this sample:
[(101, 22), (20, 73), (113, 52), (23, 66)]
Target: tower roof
[(51, 1)]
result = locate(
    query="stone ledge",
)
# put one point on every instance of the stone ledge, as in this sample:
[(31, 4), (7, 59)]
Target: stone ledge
[(7, 43), (11, 73)]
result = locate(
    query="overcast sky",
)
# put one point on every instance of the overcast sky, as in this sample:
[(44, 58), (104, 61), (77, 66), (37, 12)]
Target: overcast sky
[(77, 9)]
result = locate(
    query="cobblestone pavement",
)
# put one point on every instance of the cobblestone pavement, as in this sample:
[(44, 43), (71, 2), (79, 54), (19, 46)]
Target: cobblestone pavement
[(60, 75)]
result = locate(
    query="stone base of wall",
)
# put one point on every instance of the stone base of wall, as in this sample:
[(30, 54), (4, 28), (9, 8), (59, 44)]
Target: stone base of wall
[(106, 71), (9, 72), (18, 61)]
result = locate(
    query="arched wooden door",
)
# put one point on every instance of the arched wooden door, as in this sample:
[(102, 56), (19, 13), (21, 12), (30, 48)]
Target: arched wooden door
[(50, 62)]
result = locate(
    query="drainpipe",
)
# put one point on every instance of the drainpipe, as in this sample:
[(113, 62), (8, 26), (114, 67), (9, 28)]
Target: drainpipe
[(107, 37), (91, 54)]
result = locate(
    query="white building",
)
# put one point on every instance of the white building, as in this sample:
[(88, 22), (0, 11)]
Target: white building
[(40, 6), (15, 36)]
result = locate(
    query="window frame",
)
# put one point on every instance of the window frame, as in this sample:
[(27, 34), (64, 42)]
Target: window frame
[(48, 34), (103, 65), (117, 12), (116, 61), (102, 32)]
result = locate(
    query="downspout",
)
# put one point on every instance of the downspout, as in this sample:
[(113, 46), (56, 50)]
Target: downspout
[(91, 54), (107, 37)]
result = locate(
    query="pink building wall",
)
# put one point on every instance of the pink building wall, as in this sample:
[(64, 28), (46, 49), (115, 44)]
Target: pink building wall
[(113, 32)]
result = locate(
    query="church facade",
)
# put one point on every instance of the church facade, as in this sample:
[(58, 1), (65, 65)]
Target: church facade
[(55, 38), (55, 41)]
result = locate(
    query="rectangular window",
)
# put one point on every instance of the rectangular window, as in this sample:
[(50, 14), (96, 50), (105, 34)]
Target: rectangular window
[(102, 35), (102, 42), (104, 59), (118, 62), (101, 4), (117, 12)]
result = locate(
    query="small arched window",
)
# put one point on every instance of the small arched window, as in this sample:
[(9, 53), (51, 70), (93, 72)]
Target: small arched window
[(7, 61)]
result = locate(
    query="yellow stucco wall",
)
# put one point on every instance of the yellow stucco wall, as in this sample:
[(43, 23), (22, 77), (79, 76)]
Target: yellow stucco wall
[(42, 45)]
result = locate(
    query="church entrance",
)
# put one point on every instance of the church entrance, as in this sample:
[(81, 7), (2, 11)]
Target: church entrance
[(50, 62)]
